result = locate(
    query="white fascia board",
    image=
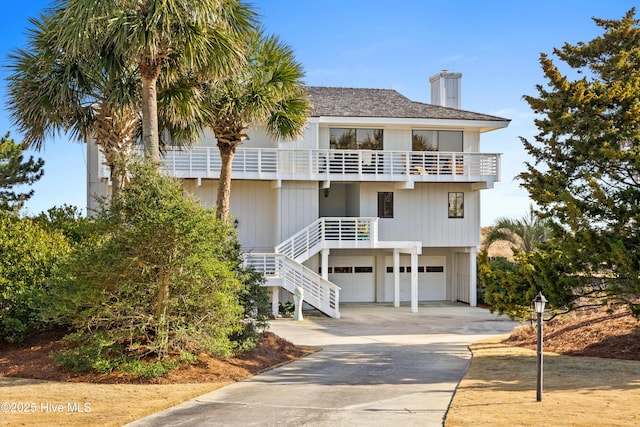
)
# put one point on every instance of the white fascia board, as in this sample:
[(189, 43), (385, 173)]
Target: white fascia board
[(481, 125)]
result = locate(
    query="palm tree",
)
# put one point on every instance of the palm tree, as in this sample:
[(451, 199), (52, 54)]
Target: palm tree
[(268, 91), (525, 234), (51, 93), (204, 36)]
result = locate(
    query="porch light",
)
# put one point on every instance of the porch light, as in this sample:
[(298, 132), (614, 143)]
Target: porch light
[(539, 302)]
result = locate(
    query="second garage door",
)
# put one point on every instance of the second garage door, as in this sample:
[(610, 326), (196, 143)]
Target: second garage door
[(432, 278)]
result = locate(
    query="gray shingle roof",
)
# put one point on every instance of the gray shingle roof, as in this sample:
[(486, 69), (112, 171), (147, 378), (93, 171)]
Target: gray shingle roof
[(387, 103)]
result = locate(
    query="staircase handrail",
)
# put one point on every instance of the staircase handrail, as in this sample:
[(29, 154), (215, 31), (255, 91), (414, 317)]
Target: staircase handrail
[(308, 241), (318, 292)]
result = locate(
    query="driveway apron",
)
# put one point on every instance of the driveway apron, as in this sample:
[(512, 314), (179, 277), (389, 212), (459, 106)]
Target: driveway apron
[(379, 366)]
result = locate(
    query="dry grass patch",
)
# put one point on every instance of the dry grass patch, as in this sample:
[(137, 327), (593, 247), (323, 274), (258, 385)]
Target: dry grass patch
[(108, 404), (500, 390), (44, 394)]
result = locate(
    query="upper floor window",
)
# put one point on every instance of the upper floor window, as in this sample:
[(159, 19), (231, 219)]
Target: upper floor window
[(456, 205), (385, 204), (355, 139), (437, 140)]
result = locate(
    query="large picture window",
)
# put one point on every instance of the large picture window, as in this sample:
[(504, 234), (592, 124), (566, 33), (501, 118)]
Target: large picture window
[(355, 139), (385, 204), (437, 140), (456, 205)]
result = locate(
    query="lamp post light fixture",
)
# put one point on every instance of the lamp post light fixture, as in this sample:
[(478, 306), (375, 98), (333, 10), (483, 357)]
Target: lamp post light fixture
[(538, 302)]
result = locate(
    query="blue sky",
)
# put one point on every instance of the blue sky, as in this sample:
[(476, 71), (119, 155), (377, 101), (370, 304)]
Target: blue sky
[(393, 45)]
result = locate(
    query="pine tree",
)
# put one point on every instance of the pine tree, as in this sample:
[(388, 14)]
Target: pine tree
[(586, 171), (14, 171)]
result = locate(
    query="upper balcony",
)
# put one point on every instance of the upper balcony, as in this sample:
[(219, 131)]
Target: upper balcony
[(335, 165)]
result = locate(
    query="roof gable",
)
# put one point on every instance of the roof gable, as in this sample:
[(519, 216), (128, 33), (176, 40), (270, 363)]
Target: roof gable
[(383, 103)]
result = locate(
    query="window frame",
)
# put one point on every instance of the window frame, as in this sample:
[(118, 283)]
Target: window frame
[(357, 138), (436, 135), (455, 204), (385, 204)]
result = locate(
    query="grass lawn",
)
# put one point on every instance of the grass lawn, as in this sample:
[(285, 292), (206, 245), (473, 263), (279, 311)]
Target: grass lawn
[(107, 404), (500, 390)]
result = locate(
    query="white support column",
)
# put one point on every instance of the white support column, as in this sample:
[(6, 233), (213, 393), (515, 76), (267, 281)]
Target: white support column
[(324, 253), (473, 278), (414, 280), (396, 278), (275, 296)]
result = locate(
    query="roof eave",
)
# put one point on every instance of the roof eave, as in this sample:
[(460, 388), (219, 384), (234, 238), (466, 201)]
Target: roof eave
[(481, 125)]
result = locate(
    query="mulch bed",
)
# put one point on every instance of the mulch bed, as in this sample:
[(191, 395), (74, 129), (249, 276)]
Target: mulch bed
[(595, 333), (32, 359)]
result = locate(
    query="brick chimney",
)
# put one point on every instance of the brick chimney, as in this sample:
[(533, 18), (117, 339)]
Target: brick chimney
[(445, 89)]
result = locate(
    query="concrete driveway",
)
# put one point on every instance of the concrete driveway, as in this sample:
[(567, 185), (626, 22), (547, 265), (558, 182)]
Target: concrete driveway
[(380, 366)]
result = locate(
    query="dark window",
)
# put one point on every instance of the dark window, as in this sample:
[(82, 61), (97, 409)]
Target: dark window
[(408, 269), (456, 205), (420, 269), (342, 270), (389, 269), (437, 140), (355, 139), (435, 269), (401, 269), (363, 269), (385, 204)]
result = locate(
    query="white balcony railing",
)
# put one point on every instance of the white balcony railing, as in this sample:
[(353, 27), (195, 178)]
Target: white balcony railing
[(280, 270), (334, 165), (345, 232)]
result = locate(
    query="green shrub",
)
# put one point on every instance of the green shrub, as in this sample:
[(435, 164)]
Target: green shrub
[(101, 353), (509, 287), (30, 254), (147, 370), (255, 298), (160, 275), (67, 220), (286, 308), (89, 352)]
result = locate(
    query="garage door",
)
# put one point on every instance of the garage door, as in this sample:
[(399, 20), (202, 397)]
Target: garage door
[(355, 276), (432, 278)]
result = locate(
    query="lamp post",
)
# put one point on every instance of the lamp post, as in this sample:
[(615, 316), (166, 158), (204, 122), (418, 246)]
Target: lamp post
[(538, 302)]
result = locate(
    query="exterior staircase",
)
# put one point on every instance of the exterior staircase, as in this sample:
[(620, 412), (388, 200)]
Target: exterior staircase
[(280, 270), (284, 268)]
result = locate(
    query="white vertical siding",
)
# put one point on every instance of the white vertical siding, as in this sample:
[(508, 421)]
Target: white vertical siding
[(96, 187), (471, 141), (353, 200), (397, 139), (308, 141), (421, 214), (258, 138), (323, 138), (297, 207), (255, 225)]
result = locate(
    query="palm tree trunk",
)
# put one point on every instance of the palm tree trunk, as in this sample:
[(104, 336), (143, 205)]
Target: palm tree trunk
[(149, 72), (116, 182), (227, 151), (114, 132), (150, 140)]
